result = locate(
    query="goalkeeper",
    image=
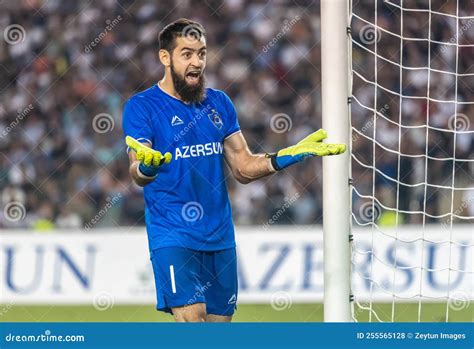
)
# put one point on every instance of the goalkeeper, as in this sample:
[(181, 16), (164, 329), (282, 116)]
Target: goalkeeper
[(178, 135)]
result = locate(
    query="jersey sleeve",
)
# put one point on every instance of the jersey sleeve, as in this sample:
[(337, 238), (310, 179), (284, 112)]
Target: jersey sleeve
[(232, 121), (136, 123)]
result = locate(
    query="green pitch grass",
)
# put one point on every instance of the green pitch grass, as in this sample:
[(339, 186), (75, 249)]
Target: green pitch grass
[(245, 313)]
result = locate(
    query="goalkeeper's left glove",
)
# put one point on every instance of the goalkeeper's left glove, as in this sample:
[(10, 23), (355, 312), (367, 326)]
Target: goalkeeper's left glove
[(310, 146), (150, 159)]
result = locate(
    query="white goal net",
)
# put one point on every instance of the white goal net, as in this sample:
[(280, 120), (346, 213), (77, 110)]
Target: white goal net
[(412, 121)]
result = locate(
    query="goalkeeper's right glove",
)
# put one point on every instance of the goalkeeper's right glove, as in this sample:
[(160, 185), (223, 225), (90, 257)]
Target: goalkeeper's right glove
[(150, 159), (310, 146)]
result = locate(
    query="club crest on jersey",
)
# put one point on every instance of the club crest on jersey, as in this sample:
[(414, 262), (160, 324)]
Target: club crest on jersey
[(215, 118)]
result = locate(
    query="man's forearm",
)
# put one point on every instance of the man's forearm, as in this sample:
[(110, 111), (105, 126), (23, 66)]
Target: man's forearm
[(256, 166), (137, 177)]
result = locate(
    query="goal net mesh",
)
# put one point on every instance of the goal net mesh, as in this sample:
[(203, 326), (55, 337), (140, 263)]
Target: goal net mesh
[(412, 111)]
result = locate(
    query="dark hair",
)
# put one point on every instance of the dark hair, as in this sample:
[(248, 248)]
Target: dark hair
[(179, 28)]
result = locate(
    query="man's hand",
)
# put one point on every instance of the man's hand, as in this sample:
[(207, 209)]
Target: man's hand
[(310, 146), (150, 160)]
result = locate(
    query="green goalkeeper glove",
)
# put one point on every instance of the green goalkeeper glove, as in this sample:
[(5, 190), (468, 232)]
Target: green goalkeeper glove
[(150, 159), (310, 146)]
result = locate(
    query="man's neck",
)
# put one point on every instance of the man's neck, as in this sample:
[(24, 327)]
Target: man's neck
[(166, 84)]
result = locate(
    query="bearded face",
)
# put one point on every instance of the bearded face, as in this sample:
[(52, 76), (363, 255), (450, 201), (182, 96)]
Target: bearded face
[(187, 62), (190, 84)]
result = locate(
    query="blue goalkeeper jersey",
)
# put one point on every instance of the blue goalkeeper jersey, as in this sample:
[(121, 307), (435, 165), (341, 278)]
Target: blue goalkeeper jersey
[(187, 205)]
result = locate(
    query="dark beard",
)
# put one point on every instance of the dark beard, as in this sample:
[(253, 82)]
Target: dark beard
[(188, 94)]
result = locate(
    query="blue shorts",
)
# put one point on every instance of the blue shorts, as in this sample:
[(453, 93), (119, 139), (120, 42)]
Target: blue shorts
[(184, 277)]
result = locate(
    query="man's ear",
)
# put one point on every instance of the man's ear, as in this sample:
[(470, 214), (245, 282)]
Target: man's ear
[(165, 57)]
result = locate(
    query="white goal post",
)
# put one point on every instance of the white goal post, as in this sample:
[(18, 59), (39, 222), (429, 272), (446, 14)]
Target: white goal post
[(336, 186), (398, 91)]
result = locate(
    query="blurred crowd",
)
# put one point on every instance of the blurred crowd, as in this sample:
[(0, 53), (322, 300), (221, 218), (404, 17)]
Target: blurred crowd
[(67, 67), (390, 118)]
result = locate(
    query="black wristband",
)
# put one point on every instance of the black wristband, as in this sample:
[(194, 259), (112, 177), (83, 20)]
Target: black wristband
[(273, 160)]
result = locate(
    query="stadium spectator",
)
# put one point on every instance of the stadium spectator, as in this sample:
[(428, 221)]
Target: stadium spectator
[(63, 87)]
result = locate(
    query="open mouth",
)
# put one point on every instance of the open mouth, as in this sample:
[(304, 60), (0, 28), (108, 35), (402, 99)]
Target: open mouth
[(193, 76)]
